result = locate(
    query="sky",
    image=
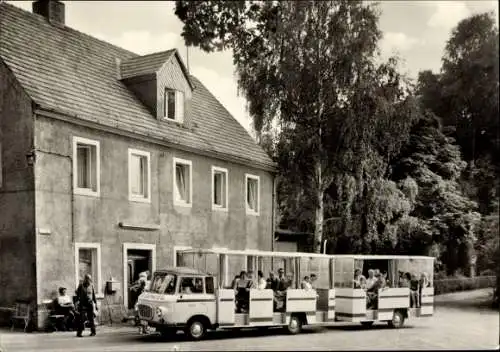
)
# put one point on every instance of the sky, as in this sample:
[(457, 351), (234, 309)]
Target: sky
[(416, 31)]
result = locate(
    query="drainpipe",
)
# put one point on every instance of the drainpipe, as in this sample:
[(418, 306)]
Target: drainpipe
[(273, 216), (324, 246)]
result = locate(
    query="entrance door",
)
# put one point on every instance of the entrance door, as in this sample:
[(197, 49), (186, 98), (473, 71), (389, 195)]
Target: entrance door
[(138, 261)]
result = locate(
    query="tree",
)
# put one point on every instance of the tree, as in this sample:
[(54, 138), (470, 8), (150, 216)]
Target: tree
[(445, 215), (465, 96), (308, 67)]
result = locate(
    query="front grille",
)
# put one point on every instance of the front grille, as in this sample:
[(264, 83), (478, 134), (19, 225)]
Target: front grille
[(145, 311)]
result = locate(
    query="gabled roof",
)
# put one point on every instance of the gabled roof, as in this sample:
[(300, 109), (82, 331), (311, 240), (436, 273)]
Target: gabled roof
[(72, 73), (146, 64), (151, 64)]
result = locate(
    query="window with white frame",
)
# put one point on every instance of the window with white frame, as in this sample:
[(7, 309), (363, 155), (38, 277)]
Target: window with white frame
[(182, 182), (139, 175), (86, 166), (174, 105), (219, 188), (88, 261), (252, 194)]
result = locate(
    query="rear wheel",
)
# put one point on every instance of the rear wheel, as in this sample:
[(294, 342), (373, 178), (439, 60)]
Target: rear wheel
[(295, 325), (397, 321), (196, 330), (367, 323)]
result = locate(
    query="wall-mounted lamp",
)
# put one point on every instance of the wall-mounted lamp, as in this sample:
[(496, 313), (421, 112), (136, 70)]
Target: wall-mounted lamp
[(31, 157)]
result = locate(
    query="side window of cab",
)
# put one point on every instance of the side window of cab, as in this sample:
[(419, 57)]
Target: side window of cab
[(191, 285)]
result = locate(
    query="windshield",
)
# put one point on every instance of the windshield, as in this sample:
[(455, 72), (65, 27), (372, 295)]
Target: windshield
[(164, 283)]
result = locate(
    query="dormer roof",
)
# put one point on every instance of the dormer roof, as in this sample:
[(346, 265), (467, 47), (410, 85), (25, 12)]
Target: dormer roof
[(149, 64)]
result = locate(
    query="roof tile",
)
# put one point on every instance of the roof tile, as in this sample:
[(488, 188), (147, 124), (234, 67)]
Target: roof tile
[(71, 72)]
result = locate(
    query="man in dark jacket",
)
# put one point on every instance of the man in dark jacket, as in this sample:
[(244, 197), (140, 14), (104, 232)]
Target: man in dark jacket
[(86, 304)]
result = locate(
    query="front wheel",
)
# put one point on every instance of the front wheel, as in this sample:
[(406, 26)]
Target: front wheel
[(295, 325), (196, 330), (397, 321)]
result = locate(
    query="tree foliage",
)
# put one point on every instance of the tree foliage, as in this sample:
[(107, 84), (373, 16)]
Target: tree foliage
[(465, 96), (309, 68)]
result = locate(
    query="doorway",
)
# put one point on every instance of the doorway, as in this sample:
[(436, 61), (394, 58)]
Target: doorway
[(138, 258)]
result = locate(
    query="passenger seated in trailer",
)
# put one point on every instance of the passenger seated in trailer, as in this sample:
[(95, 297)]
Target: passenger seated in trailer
[(359, 280), (371, 279), (271, 282), (401, 279), (384, 279), (261, 282), (372, 292), (313, 281), (250, 278), (306, 283), (406, 280), (235, 282), (414, 292)]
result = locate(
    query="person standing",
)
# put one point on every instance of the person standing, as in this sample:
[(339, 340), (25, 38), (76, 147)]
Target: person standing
[(86, 303)]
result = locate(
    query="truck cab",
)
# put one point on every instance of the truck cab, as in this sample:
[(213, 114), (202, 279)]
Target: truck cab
[(179, 298)]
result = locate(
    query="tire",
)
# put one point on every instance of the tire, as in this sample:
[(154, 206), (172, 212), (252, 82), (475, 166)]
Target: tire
[(397, 321), (295, 325), (196, 329), (367, 323)]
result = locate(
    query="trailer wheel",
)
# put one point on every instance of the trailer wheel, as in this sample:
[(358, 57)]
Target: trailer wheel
[(398, 320), (196, 329), (295, 325)]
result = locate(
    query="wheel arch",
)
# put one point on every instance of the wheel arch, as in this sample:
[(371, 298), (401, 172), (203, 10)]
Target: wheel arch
[(201, 318), (301, 315)]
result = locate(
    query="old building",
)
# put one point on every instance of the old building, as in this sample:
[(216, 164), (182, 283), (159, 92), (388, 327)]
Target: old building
[(110, 162)]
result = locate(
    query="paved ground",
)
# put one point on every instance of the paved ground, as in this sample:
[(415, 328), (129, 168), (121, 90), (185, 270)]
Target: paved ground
[(461, 321)]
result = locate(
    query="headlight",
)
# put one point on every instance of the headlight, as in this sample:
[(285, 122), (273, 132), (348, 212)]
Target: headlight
[(160, 312)]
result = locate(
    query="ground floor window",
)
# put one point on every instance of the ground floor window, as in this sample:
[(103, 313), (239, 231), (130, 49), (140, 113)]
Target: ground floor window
[(88, 261)]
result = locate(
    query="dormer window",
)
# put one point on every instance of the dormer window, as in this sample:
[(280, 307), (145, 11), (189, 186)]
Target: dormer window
[(174, 105)]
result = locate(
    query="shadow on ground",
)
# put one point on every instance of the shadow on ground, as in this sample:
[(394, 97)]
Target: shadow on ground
[(483, 302), (260, 332)]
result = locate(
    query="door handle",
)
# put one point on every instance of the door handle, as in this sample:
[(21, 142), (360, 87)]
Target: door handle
[(180, 296)]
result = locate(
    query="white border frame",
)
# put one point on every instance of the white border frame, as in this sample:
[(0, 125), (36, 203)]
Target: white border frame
[(85, 191), (226, 172), (247, 209), (131, 197), (97, 247), (140, 246), (176, 161)]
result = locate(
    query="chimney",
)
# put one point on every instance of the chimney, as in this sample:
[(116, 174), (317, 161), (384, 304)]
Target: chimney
[(52, 10)]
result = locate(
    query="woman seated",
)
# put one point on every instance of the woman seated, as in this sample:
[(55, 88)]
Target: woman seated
[(372, 292), (371, 279), (359, 280)]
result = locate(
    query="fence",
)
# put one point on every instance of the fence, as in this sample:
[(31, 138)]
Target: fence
[(463, 284)]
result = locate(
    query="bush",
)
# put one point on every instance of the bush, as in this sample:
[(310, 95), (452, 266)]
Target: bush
[(463, 284)]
